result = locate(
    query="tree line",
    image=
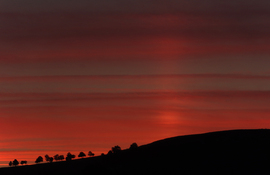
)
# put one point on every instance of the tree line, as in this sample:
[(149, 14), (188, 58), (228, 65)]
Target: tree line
[(69, 156), (56, 157)]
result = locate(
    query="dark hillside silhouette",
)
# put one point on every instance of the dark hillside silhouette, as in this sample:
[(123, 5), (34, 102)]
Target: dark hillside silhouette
[(234, 152)]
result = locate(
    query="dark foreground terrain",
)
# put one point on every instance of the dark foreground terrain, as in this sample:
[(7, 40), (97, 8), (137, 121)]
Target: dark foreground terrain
[(225, 152)]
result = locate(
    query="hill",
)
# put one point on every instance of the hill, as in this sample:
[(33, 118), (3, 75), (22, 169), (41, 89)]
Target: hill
[(223, 152)]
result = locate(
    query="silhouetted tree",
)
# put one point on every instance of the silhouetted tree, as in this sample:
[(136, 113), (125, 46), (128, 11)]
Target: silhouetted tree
[(102, 154), (39, 159), (48, 158), (116, 149), (70, 156), (56, 157), (10, 163), (81, 154), (133, 146), (90, 154), (109, 152), (61, 157), (23, 162), (15, 162)]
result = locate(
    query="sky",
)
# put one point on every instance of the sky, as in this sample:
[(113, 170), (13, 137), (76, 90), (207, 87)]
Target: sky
[(91, 74)]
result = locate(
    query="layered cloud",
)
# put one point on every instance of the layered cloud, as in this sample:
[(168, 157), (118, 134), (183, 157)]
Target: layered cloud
[(138, 6), (91, 36), (133, 83), (39, 124), (80, 75)]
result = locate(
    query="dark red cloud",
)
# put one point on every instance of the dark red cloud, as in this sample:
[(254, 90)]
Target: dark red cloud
[(138, 6), (107, 77), (82, 103), (73, 36)]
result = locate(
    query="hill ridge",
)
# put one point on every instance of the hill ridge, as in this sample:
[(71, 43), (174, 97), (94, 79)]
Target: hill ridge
[(241, 151)]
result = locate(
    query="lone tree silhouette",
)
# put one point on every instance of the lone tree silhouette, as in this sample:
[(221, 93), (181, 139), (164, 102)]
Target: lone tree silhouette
[(15, 162), (81, 154), (23, 162), (48, 158), (70, 156), (39, 159), (116, 149), (90, 154), (133, 146), (10, 163)]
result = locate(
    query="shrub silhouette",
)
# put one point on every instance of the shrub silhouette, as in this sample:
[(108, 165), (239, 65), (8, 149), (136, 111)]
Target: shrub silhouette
[(56, 157), (109, 152), (61, 157), (81, 154), (15, 162), (116, 149), (10, 163), (39, 159), (133, 146), (70, 156), (23, 162), (90, 154), (48, 158)]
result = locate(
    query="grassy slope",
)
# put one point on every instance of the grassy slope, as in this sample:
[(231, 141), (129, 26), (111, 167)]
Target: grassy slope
[(224, 152)]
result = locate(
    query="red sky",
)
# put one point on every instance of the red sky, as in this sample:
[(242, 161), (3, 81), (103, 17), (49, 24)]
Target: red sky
[(88, 75)]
